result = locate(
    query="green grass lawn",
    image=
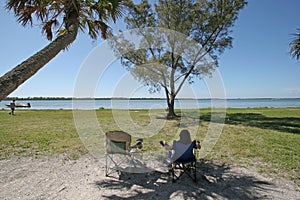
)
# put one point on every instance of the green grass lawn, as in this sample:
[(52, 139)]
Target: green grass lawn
[(267, 138)]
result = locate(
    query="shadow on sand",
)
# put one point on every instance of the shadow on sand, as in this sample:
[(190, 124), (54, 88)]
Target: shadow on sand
[(214, 182)]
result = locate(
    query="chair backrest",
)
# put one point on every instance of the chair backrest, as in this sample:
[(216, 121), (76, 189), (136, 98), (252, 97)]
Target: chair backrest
[(183, 152), (117, 142)]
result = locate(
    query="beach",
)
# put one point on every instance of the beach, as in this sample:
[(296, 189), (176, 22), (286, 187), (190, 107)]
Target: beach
[(84, 178)]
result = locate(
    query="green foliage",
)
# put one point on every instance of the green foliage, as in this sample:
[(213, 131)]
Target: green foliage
[(54, 16), (180, 40), (295, 45)]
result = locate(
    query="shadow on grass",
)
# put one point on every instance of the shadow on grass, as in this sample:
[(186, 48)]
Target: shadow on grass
[(284, 124), (214, 181)]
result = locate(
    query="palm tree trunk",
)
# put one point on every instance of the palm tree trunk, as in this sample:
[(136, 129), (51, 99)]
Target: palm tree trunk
[(18, 75)]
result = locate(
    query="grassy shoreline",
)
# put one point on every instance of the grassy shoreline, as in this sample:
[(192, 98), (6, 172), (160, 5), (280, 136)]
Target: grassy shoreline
[(266, 138)]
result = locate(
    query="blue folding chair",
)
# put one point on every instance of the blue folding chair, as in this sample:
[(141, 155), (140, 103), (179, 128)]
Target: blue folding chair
[(184, 163)]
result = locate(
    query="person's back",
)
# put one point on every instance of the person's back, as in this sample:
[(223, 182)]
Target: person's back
[(183, 148), (182, 151)]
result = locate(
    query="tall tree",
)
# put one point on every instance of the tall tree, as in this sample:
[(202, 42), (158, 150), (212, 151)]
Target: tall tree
[(295, 45), (64, 18), (206, 22)]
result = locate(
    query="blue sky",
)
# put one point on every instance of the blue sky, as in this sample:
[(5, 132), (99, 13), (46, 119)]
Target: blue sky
[(258, 65)]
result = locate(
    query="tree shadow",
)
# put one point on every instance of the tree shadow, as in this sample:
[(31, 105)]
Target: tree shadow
[(214, 181), (284, 124)]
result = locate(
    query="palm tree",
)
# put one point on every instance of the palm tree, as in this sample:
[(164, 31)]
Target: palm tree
[(295, 45), (64, 18)]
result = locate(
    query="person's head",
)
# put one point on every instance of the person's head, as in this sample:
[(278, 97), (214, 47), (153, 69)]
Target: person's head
[(185, 137)]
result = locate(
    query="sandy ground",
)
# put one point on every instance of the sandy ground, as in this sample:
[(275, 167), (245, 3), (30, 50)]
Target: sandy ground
[(62, 178)]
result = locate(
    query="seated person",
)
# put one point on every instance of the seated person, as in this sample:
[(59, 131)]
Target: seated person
[(178, 151)]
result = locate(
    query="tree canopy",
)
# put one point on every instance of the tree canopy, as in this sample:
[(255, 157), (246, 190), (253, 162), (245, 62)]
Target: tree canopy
[(179, 40), (54, 16)]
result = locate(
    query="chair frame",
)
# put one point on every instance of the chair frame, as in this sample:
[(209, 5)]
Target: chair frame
[(113, 154), (189, 168), (121, 157)]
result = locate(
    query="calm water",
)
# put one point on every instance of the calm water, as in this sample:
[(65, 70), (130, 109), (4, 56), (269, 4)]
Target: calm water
[(146, 104)]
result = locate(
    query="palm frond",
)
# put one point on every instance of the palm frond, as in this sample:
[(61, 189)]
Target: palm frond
[(47, 28), (93, 15), (295, 45), (103, 27)]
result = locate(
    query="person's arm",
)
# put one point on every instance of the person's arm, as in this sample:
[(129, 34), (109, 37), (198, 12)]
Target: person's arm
[(197, 144), (166, 145)]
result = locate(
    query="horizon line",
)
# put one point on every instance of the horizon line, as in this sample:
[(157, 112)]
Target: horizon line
[(141, 98)]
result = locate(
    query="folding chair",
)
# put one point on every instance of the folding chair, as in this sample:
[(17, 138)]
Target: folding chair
[(185, 163), (120, 156)]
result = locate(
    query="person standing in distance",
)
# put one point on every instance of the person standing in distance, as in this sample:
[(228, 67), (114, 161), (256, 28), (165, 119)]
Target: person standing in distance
[(12, 107)]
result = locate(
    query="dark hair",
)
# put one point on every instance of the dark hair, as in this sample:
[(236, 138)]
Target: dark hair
[(185, 137)]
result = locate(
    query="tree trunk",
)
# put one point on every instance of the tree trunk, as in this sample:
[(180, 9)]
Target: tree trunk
[(18, 75), (171, 113)]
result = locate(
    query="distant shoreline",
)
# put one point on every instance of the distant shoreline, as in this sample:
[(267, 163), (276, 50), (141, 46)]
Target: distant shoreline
[(140, 98)]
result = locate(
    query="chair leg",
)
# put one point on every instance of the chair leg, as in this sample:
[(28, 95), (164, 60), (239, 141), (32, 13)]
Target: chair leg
[(172, 170), (106, 167), (173, 176), (109, 160), (189, 169), (195, 171)]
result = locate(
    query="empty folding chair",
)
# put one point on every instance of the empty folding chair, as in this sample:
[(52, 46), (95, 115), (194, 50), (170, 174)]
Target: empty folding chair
[(120, 156), (117, 145)]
